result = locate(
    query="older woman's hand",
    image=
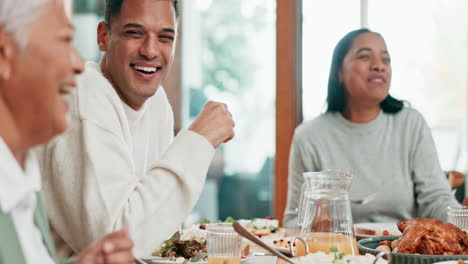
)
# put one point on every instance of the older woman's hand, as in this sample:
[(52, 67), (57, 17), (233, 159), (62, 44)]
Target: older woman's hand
[(114, 248)]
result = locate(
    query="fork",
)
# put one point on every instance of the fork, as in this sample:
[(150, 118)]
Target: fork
[(198, 257), (365, 200)]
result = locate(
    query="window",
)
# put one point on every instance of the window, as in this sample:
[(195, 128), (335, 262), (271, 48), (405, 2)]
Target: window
[(86, 16), (228, 55), (323, 25), (429, 50)]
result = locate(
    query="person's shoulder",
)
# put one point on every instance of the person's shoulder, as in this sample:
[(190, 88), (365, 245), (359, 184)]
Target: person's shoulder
[(408, 121), (410, 116), (95, 99), (159, 97), (315, 126), (93, 84), (159, 102)]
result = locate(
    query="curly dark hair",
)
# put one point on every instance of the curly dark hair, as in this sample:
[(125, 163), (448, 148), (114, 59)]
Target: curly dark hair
[(113, 9), (336, 96)]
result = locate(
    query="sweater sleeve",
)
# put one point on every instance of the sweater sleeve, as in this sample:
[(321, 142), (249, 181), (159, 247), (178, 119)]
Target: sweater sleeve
[(297, 157), (432, 190), (94, 192)]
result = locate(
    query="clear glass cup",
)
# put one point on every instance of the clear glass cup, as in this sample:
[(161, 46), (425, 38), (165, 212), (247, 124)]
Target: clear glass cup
[(458, 215), (223, 244)]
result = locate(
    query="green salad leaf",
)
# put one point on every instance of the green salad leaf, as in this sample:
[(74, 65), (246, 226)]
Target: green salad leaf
[(229, 219)]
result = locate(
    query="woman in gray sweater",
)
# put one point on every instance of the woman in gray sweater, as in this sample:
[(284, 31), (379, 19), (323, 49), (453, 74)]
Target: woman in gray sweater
[(389, 146)]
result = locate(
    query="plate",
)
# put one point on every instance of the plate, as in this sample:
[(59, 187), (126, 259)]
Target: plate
[(161, 260), (448, 262), (377, 228), (283, 250), (368, 245)]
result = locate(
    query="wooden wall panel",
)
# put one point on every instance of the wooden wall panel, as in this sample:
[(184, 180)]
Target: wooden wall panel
[(173, 82), (288, 91)]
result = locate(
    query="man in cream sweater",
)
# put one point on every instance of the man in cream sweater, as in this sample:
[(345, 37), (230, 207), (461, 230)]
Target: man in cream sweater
[(119, 163)]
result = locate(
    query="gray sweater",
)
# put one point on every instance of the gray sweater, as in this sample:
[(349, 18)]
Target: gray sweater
[(393, 155)]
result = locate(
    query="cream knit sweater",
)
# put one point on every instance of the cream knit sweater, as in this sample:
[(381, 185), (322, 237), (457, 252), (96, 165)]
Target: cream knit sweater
[(116, 166)]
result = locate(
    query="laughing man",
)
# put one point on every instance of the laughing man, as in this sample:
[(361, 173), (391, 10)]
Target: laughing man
[(119, 163)]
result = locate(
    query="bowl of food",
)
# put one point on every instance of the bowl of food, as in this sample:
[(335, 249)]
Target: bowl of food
[(423, 241)]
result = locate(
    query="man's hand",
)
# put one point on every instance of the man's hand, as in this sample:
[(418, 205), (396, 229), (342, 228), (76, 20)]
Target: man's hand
[(114, 248), (214, 123)]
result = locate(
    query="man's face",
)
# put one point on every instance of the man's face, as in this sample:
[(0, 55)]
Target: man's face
[(139, 45), (42, 74)]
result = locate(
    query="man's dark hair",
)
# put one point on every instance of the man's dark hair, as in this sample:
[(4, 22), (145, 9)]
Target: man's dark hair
[(336, 99), (113, 9)]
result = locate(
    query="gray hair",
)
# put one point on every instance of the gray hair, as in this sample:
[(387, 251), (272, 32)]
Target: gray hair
[(16, 14)]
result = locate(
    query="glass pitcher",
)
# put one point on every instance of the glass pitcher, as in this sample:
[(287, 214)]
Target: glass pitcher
[(324, 213)]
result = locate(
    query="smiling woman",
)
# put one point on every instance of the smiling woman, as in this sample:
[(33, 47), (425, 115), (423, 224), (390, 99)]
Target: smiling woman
[(367, 130), (361, 75)]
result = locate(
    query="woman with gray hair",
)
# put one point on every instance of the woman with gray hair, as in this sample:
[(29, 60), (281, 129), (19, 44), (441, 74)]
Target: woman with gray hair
[(38, 65)]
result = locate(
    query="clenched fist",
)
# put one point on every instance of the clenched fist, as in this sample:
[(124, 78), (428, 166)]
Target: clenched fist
[(214, 123)]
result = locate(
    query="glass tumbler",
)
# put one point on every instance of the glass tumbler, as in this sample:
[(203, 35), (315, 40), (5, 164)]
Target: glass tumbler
[(223, 244), (458, 216)]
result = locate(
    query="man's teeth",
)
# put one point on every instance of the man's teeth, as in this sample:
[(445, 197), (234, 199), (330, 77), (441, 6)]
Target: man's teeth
[(377, 80), (145, 69)]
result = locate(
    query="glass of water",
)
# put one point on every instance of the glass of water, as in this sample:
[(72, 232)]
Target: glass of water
[(223, 244), (458, 215)]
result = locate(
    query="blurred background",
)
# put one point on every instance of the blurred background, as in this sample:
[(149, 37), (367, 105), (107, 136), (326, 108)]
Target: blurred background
[(230, 51)]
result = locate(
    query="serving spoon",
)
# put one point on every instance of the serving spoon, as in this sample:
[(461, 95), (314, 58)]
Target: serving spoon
[(240, 229)]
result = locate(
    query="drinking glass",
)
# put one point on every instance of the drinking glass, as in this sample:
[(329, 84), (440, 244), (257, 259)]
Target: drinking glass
[(223, 244), (458, 215)]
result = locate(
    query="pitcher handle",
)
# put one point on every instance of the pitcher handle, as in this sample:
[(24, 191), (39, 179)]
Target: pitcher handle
[(381, 256), (293, 251)]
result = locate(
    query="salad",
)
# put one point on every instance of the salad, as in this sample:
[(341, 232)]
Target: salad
[(192, 241), (187, 244)]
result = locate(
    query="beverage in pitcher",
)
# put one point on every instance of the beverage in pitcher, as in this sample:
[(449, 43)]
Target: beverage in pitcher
[(221, 260), (325, 213), (325, 242)]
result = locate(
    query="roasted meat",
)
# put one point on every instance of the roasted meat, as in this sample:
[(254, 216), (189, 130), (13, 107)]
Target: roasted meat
[(431, 237)]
